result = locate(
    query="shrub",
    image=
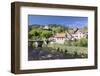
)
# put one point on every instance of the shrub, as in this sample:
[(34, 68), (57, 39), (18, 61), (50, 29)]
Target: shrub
[(68, 42), (83, 42), (79, 42)]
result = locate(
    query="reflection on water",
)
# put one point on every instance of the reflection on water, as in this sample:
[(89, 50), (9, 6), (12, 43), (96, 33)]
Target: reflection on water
[(47, 54)]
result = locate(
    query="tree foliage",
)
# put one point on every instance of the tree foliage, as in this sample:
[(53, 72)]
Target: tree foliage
[(46, 34)]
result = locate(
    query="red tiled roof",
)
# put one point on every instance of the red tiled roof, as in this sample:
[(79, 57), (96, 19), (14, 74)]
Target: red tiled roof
[(60, 35)]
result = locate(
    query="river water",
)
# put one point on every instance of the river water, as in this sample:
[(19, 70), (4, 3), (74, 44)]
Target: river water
[(47, 54)]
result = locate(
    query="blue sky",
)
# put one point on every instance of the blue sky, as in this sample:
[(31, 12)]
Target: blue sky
[(70, 21)]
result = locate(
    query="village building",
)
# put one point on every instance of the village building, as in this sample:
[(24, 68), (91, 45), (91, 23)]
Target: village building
[(60, 38), (76, 34), (46, 27), (80, 34), (68, 35)]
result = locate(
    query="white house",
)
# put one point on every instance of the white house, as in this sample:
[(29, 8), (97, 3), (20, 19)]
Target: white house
[(46, 27), (58, 38), (79, 34), (76, 34)]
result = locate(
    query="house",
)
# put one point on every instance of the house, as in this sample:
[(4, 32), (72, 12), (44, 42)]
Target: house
[(76, 34), (58, 38), (46, 27), (80, 34), (68, 35)]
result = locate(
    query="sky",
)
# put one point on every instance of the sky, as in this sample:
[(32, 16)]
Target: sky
[(70, 21)]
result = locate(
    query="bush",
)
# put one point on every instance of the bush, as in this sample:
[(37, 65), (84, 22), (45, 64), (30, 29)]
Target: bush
[(79, 42), (68, 42), (74, 42), (83, 42)]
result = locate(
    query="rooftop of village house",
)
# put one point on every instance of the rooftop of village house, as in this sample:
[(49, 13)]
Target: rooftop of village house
[(60, 34)]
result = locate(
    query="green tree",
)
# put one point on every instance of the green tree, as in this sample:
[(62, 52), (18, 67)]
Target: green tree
[(46, 34)]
